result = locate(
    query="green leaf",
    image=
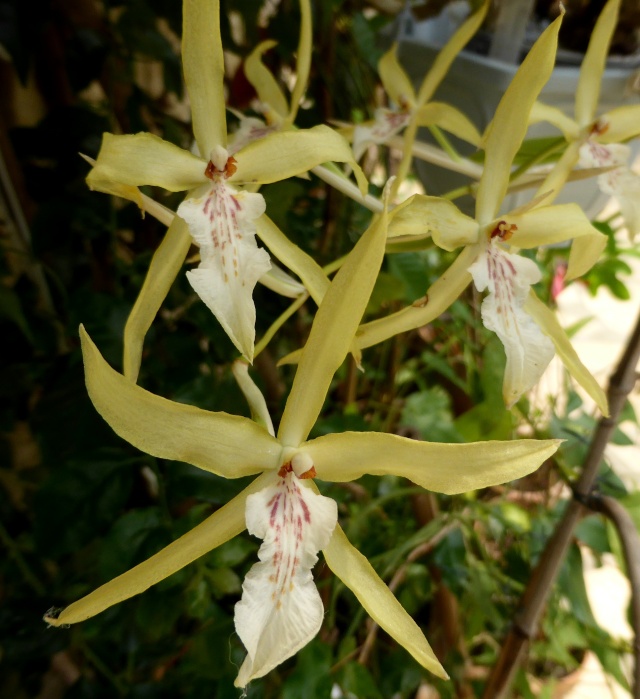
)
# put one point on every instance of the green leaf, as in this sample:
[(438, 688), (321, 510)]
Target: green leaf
[(429, 413)]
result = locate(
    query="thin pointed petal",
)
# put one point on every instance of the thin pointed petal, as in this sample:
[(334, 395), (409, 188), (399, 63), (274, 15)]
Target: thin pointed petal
[(508, 278), (269, 92), (394, 79), (548, 323), (441, 468), (449, 119), (585, 252), (553, 115), (379, 602), (282, 283), (141, 159), (293, 257), (509, 125), (549, 225), (440, 295), (281, 610), (593, 64), (165, 265), (332, 332), (285, 154), (220, 527), (227, 445), (303, 60), (222, 222), (253, 396), (203, 65), (424, 215), (448, 53), (554, 182), (622, 124)]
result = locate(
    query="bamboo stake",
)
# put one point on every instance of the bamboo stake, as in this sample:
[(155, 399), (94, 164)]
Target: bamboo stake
[(533, 603)]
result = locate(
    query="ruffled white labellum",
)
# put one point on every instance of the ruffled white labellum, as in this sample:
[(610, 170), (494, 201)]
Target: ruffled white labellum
[(387, 123), (281, 610), (508, 279), (220, 220)]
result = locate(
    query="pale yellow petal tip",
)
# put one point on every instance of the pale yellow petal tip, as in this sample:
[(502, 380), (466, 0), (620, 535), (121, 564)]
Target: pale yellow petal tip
[(52, 618)]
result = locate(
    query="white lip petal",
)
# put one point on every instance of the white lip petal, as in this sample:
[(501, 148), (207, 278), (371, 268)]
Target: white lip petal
[(594, 154), (221, 222), (250, 129), (387, 123), (508, 278), (281, 610), (624, 185)]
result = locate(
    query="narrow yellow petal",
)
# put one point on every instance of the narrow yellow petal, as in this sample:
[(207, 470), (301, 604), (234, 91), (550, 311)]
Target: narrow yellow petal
[(293, 257), (220, 527), (450, 119), (588, 90), (227, 445), (143, 158), (288, 153), (585, 252), (203, 65), (448, 53), (395, 81), (144, 202), (554, 182), (544, 112), (548, 225), (379, 602), (442, 468), (509, 125), (440, 295), (332, 332), (165, 265), (548, 323), (423, 215), (303, 63), (622, 123), (253, 395), (263, 81)]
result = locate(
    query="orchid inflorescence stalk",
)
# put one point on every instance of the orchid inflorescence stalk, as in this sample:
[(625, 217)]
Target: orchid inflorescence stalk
[(224, 214)]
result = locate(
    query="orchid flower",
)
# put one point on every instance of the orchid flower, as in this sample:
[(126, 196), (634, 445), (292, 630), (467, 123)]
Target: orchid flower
[(215, 215), (597, 141), (528, 330), (280, 113), (280, 609), (416, 109)]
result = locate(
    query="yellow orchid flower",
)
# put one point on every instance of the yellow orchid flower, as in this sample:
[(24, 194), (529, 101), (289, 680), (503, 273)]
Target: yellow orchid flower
[(280, 609), (597, 141), (280, 113), (415, 109), (530, 335), (218, 217)]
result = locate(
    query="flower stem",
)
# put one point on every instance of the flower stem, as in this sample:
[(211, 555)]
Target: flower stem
[(332, 175), (278, 323)]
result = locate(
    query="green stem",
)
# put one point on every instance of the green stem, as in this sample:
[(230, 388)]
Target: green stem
[(278, 323), (444, 143)]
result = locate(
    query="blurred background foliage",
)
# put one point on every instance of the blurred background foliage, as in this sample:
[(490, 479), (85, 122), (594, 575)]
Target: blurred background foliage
[(79, 506)]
